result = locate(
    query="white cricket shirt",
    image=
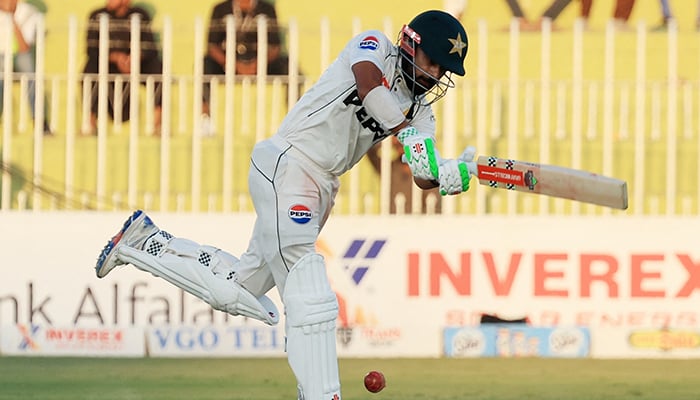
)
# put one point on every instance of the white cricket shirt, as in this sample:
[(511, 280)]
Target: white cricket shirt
[(329, 124)]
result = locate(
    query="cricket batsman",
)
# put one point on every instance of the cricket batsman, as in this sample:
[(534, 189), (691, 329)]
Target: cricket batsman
[(375, 88)]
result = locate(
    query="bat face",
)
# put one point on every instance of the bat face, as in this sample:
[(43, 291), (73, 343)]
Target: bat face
[(552, 180)]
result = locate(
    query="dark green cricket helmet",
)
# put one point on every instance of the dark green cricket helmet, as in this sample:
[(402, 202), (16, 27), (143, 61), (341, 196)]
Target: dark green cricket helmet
[(443, 38)]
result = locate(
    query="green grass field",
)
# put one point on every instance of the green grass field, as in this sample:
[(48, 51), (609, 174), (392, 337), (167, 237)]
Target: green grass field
[(407, 379)]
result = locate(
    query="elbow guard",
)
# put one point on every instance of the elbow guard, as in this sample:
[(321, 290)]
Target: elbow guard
[(380, 104)]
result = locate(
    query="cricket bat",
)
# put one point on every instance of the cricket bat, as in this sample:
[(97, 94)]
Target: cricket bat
[(550, 180)]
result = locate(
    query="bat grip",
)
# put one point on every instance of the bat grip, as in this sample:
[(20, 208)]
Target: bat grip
[(471, 165)]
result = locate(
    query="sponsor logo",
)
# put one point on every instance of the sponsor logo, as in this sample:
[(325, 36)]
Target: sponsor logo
[(84, 336), (530, 180), (356, 323), (501, 175), (300, 213), (418, 148), (375, 336), (28, 333), (664, 339), (216, 339), (567, 342), (369, 43), (85, 339), (354, 104), (468, 343), (359, 255), (344, 335)]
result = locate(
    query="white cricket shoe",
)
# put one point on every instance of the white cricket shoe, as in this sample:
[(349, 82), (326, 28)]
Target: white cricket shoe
[(136, 230)]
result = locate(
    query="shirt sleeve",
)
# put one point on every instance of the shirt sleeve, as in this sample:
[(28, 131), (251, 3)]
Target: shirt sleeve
[(371, 46), (424, 121)]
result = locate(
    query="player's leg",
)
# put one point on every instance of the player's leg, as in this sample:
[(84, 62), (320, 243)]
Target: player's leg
[(203, 271), (293, 201), (311, 308)]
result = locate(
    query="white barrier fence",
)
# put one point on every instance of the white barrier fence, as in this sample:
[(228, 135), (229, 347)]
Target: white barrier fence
[(641, 129)]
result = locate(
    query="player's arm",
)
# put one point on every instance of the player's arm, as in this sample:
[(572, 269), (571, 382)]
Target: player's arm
[(216, 53), (382, 106), (376, 98), (379, 103), (428, 169)]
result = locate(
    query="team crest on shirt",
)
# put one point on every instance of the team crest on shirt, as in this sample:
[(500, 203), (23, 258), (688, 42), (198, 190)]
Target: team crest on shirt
[(300, 213), (369, 43)]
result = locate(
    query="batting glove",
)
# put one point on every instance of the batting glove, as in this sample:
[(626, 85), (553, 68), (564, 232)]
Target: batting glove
[(419, 153), (468, 154), (454, 177), (454, 174)]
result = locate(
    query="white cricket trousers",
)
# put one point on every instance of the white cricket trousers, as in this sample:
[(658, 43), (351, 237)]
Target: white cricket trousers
[(293, 198)]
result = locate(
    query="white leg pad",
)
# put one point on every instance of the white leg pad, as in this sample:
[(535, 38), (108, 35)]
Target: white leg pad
[(312, 308), (203, 271)]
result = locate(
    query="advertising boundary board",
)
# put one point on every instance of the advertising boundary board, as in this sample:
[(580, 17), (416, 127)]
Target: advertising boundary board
[(400, 280), (45, 340), (517, 340)]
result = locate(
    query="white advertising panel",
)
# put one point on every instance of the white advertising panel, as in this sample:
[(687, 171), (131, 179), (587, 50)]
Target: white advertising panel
[(645, 343), (516, 340), (43, 340), (251, 340), (399, 280)]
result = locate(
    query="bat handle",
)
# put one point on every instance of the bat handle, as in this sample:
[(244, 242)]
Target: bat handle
[(471, 165)]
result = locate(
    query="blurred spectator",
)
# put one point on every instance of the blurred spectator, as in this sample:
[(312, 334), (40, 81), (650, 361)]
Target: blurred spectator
[(402, 180), (25, 18), (245, 13), (667, 16), (621, 12), (517, 12), (120, 13), (557, 6)]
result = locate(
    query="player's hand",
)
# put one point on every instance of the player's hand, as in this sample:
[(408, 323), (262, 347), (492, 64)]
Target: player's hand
[(454, 176), (419, 153), (468, 154), (467, 157)]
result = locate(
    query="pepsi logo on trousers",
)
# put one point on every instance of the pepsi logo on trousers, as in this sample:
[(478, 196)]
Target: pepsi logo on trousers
[(300, 213)]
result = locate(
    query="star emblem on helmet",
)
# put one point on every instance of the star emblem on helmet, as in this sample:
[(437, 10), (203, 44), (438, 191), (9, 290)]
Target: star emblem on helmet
[(457, 44)]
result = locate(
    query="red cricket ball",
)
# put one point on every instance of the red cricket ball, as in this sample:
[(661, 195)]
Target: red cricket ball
[(374, 381)]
